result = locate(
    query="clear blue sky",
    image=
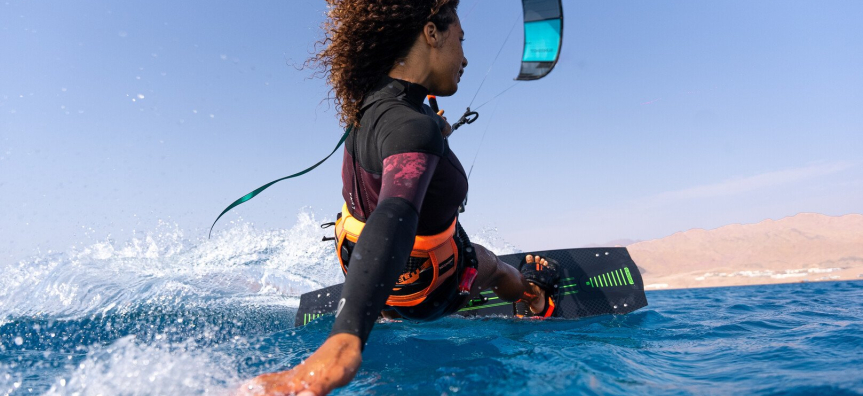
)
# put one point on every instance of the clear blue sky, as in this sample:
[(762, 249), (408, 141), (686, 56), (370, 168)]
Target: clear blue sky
[(661, 116)]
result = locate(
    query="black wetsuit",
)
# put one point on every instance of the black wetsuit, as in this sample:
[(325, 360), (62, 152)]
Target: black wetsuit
[(401, 178)]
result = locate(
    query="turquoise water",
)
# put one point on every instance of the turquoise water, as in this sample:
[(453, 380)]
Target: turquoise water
[(167, 315)]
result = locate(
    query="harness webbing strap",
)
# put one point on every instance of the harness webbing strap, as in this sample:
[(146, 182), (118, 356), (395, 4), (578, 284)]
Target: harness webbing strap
[(258, 190)]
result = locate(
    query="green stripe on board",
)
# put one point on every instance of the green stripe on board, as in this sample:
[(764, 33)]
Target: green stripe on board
[(562, 286), (309, 318), (505, 303), (567, 279), (619, 274), (628, 275), (605, 278), (617, 279), (484, 306)]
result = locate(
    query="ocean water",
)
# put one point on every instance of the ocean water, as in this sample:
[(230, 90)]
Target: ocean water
[(170, 314)]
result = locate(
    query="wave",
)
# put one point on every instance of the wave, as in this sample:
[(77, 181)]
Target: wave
[(240, 265)]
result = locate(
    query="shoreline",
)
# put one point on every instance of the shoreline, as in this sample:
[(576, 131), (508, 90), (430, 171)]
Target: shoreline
[(674, 282), (750, 285)]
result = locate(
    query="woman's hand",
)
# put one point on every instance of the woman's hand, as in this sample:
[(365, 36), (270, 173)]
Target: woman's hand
[(333, 365), (447, 129)]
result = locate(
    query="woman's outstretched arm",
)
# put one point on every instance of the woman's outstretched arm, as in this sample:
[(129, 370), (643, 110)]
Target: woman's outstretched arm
[(377, 260)]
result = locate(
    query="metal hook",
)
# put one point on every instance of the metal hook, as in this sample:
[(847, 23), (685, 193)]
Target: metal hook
[(467, 118)]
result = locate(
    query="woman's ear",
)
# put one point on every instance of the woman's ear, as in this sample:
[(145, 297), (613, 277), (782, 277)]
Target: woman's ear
[(432, 35)]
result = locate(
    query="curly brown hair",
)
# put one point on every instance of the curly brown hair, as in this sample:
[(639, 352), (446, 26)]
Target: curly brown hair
[(363, 40)]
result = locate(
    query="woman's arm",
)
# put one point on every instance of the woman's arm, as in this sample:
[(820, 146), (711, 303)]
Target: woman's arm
[(385, 244), (377, 260)]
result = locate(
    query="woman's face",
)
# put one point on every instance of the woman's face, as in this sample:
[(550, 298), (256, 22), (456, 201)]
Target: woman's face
[(449, 62)]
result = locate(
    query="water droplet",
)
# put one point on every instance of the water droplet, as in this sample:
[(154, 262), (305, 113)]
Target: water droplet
[(19, 341)]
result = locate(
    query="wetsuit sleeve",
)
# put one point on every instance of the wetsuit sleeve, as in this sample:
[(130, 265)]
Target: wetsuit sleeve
[(385, 244)]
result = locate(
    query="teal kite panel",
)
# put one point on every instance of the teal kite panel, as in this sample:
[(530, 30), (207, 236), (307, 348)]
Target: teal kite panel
[(541, 40)]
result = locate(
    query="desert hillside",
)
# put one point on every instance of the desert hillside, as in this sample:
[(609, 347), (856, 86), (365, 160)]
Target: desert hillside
[(805, 247)]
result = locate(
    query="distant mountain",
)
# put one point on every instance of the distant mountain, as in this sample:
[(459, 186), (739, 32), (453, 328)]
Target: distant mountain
[(805, 247)]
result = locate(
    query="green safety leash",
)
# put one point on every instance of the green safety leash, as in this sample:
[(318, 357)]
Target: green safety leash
[(265, 186)]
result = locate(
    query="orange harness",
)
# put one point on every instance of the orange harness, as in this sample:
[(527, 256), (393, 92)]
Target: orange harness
[(439, 250)]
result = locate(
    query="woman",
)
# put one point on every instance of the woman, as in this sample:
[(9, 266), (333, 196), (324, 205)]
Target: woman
[(402, 186)]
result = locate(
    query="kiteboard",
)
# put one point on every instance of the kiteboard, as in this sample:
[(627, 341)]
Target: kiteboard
[(593, 281)]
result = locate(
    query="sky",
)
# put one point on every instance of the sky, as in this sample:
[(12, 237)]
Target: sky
[(123, 118)]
